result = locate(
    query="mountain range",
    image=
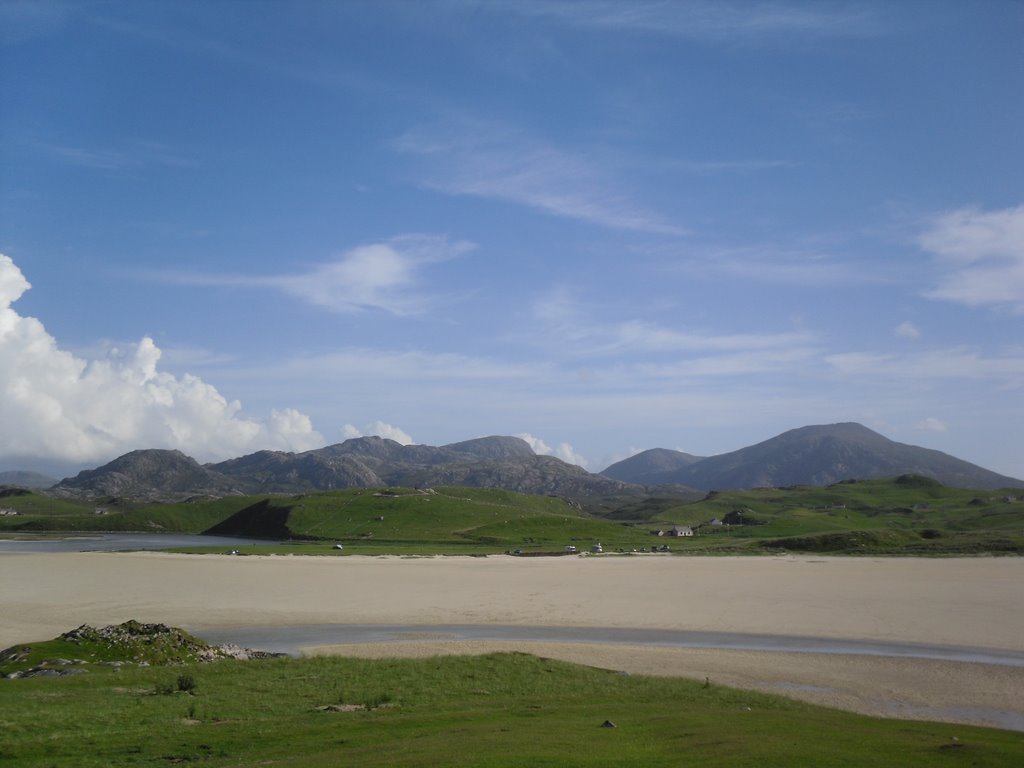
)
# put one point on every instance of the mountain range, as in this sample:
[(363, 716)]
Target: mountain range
[(25, 479), (363, 462), (813, 455)]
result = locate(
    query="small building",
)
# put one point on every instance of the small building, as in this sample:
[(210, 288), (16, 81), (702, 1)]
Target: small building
[(680, 530), (715, 521)]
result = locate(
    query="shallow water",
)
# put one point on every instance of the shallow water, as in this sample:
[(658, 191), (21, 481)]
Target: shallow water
[(290, 639), (998, 718), (122, 542)]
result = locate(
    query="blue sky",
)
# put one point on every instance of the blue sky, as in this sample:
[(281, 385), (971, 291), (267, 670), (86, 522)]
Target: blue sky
[(606, 226)]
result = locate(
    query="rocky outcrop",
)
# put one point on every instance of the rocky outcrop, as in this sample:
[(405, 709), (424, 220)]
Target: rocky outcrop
[(493, 447), (150, 475), (535, 474), (366, 462), (116, 645), (275, 471)]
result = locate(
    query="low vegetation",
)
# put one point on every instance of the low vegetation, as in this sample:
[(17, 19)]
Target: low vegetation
[(909, 515), (495, 710)]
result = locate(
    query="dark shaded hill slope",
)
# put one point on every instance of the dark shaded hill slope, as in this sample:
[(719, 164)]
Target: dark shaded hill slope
[(656, 466)]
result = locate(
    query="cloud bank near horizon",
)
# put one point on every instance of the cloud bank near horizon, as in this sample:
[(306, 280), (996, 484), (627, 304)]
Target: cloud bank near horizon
[(56, 405), (377, 429), (563, 451)]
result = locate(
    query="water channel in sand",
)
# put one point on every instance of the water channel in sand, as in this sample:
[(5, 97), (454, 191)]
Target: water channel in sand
[(121, 542), (292, 639)]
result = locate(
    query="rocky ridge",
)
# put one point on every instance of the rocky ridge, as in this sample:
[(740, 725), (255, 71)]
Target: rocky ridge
[(813, 455), (365, 462)]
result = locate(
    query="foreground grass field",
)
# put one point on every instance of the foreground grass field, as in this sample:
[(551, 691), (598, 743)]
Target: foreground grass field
[(497, 710)]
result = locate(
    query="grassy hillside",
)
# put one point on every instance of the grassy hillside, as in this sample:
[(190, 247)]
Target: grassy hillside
[(36, 504), (496, 710), (444, 520), (364, 521), (38, 513), (908, 515)]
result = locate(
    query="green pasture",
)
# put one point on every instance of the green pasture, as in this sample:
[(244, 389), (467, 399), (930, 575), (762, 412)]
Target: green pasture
[(496, 710), (908, 515), (902, 516), (39, 513)]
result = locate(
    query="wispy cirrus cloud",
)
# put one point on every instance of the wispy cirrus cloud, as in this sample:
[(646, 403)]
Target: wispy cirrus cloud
[(702, 20), (907, 330), (487, 160), (1005, 370), (708, 167), (566, 323), (979, 255), (131, 155), (931, 424), (382, 276), (23, 20), (776, 265)]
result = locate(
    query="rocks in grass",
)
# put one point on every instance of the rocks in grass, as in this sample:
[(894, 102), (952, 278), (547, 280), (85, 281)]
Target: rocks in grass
[(116, 645)]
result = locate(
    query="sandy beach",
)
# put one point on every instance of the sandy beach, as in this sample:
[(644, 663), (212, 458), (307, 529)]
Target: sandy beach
[(970, 602)]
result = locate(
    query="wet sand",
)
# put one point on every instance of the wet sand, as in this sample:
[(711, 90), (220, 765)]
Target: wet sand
[(969, 602)]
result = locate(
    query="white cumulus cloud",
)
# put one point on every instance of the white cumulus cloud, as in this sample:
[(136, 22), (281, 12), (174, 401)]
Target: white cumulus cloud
[(377, 429), (563, 451), (56, 405)]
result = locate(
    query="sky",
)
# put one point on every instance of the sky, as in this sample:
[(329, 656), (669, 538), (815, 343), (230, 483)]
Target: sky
[(602, 226)]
